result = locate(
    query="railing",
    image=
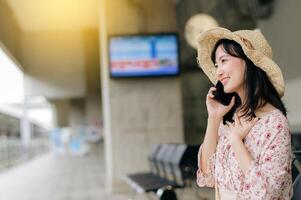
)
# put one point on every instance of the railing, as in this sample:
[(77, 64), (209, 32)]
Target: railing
[(13, 151)]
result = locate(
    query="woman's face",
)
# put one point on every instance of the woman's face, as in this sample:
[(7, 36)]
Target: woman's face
[(230, 71)]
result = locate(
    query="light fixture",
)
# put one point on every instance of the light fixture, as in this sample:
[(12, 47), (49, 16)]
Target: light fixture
[(197, 24)]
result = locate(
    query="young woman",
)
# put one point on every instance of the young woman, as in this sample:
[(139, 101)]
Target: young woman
[(251, 157)]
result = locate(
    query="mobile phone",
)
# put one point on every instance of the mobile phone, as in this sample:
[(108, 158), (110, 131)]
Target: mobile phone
[(225, 99), (221, 96)]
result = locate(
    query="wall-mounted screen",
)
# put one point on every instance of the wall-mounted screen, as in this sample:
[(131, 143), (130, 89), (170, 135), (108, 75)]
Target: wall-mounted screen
[(144, 55)]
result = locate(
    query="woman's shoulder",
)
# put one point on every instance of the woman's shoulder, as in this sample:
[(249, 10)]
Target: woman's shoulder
[(267, 128), (274, 115), (274, 120)]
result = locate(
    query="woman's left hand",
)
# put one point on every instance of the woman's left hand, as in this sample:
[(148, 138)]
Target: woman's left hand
[(240, 128)]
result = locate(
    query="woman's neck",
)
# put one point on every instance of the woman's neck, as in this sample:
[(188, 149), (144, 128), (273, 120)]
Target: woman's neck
[(242, 99), (260, 112)]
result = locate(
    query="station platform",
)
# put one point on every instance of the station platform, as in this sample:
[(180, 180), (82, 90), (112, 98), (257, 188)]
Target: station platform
[(68, 177)]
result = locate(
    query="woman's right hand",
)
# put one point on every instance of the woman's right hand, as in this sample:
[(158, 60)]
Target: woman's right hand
[(215, 109)]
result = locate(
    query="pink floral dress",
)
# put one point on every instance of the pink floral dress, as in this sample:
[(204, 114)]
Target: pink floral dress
[(269, 175)]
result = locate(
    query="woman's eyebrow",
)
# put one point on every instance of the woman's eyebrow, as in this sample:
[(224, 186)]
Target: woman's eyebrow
[(222, 57)]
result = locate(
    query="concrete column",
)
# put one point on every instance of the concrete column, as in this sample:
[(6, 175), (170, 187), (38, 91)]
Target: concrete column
[(136, 112), (105, 96), (61, 112), (25, 123), (69, 113)]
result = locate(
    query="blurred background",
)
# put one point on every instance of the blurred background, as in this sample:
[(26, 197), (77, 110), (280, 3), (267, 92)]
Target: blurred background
[(88, 86)]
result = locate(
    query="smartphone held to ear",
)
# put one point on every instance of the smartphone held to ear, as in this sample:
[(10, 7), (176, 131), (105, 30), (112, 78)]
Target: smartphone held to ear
[(225, 99), (221, 96)]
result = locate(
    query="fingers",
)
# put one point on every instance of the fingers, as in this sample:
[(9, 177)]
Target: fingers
[(232, 102), (241, 129), (210, 92), (250, 123), (253, 121), (229, 124), (237, 120)]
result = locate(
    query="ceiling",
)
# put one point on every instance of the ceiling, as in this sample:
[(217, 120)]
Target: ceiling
[(49, 15)]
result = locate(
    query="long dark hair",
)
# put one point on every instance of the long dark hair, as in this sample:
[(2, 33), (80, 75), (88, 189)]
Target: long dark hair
[(259, 89)]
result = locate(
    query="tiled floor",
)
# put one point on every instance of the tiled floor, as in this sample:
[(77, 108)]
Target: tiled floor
[(52, 177)]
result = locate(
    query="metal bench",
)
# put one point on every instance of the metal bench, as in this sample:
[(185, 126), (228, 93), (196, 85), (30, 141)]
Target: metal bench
[(173, 166)]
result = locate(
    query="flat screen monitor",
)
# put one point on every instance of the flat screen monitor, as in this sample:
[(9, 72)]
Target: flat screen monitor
[(144, 55)]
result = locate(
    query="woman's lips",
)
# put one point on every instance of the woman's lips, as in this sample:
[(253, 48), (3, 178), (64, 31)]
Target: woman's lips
[(225, 80)]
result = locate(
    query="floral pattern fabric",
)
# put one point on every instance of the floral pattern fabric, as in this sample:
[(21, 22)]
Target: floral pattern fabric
[(268, 176)]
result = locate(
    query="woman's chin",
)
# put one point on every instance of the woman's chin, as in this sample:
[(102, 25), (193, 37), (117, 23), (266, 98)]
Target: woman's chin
[(226, 90)]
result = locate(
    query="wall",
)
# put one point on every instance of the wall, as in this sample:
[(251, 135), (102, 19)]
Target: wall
[(137, 112), (195, 86)]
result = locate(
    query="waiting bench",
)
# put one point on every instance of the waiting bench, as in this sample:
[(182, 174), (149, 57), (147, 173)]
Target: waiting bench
[(173, 166)]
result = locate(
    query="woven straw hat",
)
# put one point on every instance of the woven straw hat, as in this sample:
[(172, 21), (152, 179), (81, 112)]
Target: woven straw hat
[(254, 45)]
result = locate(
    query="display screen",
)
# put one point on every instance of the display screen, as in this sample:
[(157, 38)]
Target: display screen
[(144, 55)]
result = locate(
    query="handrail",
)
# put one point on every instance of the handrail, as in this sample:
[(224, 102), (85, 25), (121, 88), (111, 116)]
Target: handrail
[(13, 151)]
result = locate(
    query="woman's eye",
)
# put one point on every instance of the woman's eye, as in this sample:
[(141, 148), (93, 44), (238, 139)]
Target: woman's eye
[(223, 60)]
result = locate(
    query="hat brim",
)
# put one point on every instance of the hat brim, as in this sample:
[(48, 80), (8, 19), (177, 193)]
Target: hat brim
[(207, 41)]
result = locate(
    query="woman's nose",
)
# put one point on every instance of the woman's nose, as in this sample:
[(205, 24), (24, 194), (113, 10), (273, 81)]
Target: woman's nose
[(219, 71)]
